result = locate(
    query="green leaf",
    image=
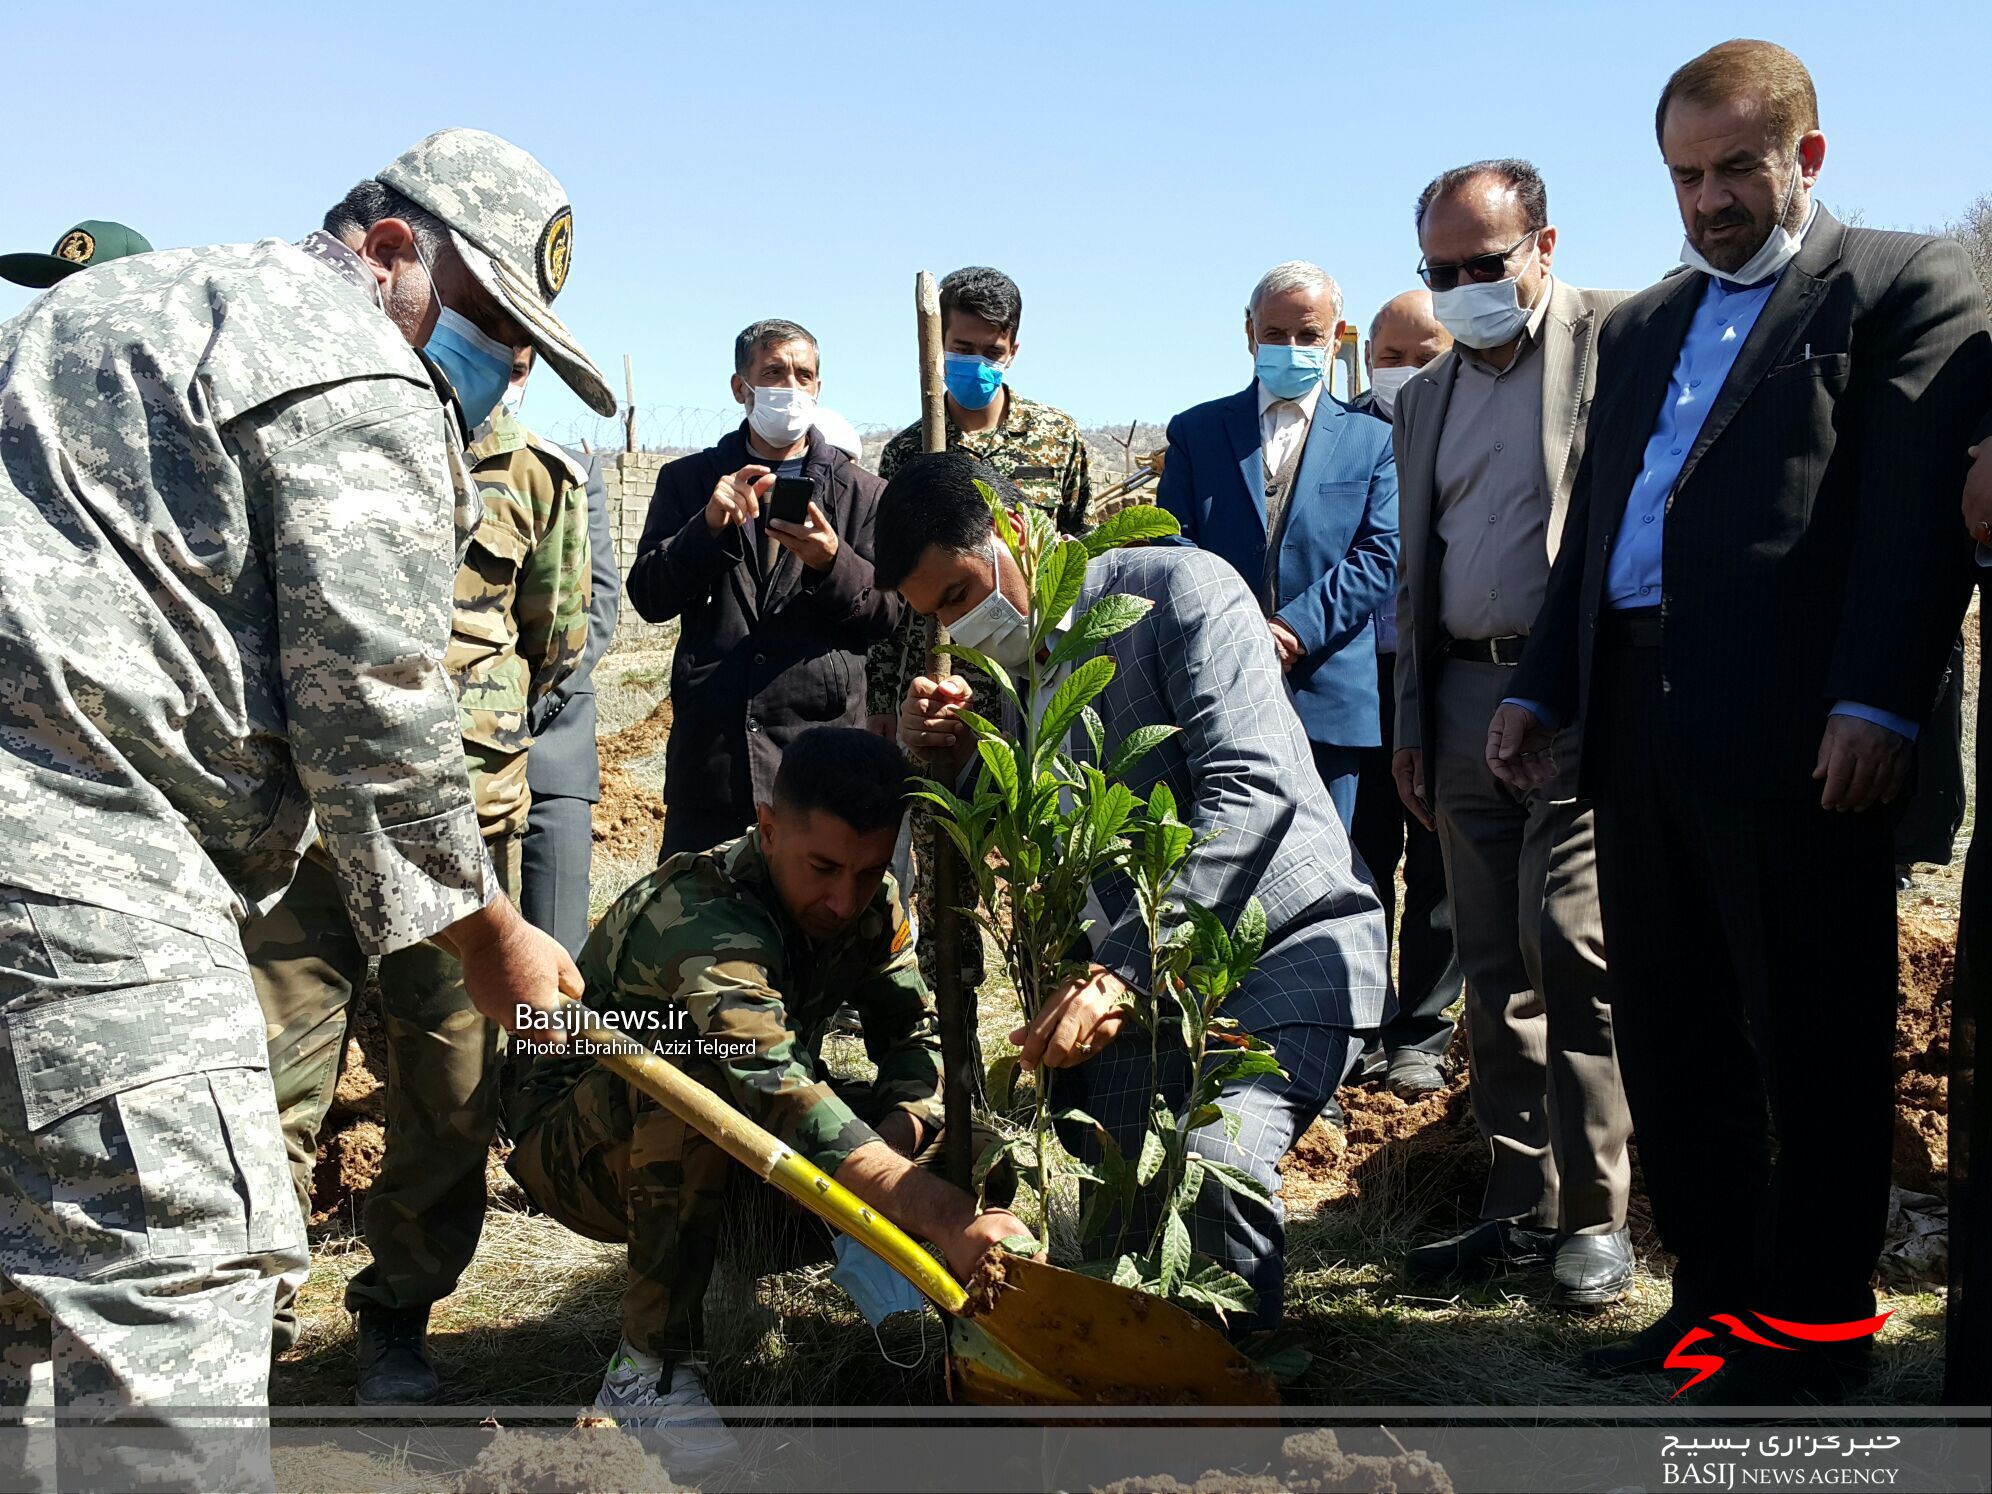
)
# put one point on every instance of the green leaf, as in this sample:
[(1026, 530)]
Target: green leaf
[(1096, 732), (984, 729), (1099, 1210), (1162, 801), (1248, 938), (1127, 1272), (1135, 524), (1101, 621), (1136, 745), (1001, 1082), (1233, 1124), (1203, 1115), (1019, 1244), (1236, 1179), (1175, 1256), (1243, 1063), (1075, 1114), (995, 1152), (1153, 1154), (1085, 682), (1061, 575), (1002, 765), (1191, 1184)]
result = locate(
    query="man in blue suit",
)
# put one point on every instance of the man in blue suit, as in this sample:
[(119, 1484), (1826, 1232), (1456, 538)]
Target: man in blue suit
[(1299, 493)]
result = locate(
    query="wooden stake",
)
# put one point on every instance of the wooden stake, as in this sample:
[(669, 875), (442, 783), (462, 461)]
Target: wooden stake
[(954, 1005), (629, 413)]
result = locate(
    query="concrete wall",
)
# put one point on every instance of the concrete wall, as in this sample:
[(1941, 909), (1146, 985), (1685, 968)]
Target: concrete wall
[(629, 478)]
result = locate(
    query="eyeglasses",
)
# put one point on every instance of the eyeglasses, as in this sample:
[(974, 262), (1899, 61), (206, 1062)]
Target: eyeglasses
[(1480, 267)]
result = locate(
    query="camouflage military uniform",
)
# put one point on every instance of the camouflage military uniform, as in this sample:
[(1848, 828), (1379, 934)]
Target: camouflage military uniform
[(518, 626), (231, 506), (1040, 450), (703, 943)]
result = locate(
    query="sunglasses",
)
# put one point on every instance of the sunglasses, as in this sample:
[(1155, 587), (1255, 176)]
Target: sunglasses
[(1480, 267)]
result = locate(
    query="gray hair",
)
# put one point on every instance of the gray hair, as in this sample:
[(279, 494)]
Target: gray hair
[(771, 332), (1295, 275)]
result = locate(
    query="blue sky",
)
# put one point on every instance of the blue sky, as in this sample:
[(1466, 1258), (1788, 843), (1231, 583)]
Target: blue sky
[(1135, 168)]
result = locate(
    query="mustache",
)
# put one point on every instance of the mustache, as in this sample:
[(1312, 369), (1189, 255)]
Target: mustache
[(1729, 217)]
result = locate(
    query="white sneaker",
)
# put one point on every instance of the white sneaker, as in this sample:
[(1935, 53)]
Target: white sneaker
[(682, 1417)]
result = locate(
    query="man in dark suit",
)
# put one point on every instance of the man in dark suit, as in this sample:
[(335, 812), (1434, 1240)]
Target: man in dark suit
[(777, 617), (1764, 575), (1286, 483), (564, 770)]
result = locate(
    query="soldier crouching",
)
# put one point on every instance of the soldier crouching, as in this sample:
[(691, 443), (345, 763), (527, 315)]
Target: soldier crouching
[(743, 955)]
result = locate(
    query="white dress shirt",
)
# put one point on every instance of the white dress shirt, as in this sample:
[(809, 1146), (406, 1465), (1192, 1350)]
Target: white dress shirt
[(1283, 424)]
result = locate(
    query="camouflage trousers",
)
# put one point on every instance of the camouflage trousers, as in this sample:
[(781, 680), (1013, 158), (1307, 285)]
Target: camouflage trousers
[(144, 1212), (610, 1163), (424, 1212)]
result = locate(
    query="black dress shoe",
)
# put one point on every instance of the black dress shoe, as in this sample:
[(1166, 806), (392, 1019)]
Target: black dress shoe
[(1481, 1251), (1811, 1375), (1413, 1075), (1645, 1353), (395, 1369), (1591, 1271)]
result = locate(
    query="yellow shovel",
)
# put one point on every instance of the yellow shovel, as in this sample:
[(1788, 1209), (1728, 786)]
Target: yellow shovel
[(1031, 1334)]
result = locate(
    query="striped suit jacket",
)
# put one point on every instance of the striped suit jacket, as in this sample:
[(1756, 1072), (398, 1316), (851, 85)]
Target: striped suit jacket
[(1241, 771), (1813, 551)]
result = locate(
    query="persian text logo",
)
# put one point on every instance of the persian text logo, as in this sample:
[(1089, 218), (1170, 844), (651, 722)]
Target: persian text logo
[(1708, 1361)]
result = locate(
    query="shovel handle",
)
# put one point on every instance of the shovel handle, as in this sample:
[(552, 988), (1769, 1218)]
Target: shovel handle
[(771, 1160)]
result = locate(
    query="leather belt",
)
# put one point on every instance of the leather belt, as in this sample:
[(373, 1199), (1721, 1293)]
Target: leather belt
[(1630, 627), (1507, 650)]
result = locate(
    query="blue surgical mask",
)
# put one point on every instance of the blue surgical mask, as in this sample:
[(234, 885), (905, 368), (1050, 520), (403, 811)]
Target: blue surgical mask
[(478, 368), (877, 1289), (973, 380), (1288, 372)]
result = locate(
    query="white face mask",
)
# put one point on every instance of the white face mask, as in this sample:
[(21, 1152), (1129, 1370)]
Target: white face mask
[(781, 416), (1777, 251), (994, 626), (1482, 315), (1384, 384), (513, 399)]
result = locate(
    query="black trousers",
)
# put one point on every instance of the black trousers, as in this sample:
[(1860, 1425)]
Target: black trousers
[(555, 859), (1753, 989), (1384, 834)]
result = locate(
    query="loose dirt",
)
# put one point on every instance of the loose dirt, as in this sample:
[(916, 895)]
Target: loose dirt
[(630, 814), (1315, 1462), (1430, 1154), (591, 1459)]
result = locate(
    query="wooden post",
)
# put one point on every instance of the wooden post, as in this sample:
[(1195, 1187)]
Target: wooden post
[(629, 412), (954, 1006)]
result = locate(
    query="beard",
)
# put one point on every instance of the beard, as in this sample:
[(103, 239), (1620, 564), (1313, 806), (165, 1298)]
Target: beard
[(1733, 250)]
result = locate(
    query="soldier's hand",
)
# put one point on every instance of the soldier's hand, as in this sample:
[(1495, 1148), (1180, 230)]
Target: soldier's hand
[(813, 542), (930, 716), (1861, 764), (736, 498), (510, 968), (988, 1230)]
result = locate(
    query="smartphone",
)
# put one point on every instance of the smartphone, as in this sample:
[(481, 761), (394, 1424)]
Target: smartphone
[(790, 499)]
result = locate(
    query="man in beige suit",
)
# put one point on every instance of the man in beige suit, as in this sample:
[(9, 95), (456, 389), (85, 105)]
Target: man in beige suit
[(1488, 441)]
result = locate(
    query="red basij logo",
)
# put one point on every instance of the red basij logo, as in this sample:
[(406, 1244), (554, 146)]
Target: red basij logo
[(1706, 1364)]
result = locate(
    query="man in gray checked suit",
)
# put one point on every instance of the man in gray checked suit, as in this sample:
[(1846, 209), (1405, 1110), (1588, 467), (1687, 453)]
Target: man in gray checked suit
[(1242, 771)]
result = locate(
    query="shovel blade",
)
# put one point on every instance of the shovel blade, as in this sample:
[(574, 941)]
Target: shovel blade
[(1035, 1335)]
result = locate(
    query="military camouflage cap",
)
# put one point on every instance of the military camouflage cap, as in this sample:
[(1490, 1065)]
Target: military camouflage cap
[(90, 242), (511, 222)]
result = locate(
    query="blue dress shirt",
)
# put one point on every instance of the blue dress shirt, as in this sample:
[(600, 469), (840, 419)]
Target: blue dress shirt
[(1721, 325)]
